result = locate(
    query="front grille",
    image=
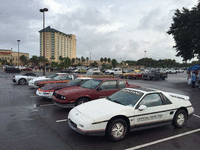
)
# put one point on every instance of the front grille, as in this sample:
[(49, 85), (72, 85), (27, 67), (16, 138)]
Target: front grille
[(73, 124)]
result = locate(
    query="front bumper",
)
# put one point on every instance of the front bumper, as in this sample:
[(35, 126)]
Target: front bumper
[(14, 81), (85, 132), (32, 85), (44, 94)]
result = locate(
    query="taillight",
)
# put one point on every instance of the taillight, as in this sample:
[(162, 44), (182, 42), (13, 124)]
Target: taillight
[(13, 76)]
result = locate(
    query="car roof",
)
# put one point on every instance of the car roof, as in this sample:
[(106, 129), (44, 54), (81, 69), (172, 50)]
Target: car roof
[(105, 79), (144, 90), (84, 78)]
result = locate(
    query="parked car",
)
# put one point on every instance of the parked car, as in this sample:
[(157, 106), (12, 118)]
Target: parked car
[(126, 73), (12, 70), (154, 74), (63, 78), (90, 90), (24, 78), (32, 82), (48, 89), (129, 110), (66, 71), (114, 71), (26, 69), (135, 75)]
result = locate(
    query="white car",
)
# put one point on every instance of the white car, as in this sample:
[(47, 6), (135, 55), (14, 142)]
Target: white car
[(33, 81), (24, 78), (128, 110), (47, 90)]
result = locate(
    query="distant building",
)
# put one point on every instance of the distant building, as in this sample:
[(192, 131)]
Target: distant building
[(57, 44), (7, 54)]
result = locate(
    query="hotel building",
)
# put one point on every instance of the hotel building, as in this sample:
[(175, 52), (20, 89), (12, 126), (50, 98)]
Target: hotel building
[(57, 44)]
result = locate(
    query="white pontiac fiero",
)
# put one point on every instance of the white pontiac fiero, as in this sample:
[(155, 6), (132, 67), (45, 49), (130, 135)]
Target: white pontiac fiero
[(128, 110)]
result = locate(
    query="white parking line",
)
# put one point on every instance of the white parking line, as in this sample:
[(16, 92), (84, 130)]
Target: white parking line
[(61, 120), (47, 105), (33, 96), (196, 116), (163, 140)]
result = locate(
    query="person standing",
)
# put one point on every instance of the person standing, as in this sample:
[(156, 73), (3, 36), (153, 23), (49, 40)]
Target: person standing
[(193, 79)]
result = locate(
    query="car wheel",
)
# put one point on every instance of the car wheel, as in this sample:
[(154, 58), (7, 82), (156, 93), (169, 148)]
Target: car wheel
[(117, 130), (22, 81), (180, 119), (112, 74), (81, 101)]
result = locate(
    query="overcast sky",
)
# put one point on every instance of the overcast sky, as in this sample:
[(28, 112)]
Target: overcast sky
[(120, 29)]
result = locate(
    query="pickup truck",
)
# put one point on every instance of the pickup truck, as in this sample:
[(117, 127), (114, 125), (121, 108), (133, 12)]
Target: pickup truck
[(154, 75), (113, 71)]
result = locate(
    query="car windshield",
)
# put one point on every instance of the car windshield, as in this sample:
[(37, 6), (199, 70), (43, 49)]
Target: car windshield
[(88, 73), (91, 84), (74, 82), (126, 97), (66, 77), (52, 76)]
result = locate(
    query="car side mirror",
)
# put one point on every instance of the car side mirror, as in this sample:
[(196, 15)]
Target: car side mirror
[(99, 89), (142, 107)]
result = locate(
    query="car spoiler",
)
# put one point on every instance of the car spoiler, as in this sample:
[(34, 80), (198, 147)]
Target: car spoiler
[(183, 97)]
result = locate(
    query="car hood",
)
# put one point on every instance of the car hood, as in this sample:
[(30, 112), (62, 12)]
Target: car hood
[(54, 86), (41, 78), (73, 90), (103, 109)]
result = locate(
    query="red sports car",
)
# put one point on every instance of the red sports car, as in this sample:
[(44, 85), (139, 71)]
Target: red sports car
[(90, 90)]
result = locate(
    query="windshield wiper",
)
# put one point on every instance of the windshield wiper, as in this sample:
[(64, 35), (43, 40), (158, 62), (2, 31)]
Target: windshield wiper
[(117, 102)]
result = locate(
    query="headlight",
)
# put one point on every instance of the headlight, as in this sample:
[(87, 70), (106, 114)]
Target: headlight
[(63, 97)]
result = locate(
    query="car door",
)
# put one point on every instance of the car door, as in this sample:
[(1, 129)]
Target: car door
[(107, 88), (154, 113), (30, 76)]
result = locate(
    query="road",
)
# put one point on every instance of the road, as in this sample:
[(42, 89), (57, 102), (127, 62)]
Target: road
[(31, 122)]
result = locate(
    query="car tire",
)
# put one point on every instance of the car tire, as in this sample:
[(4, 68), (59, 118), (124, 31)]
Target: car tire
[(112, 74), (117, 129), (81, 101), (22, 81), (180, 119)]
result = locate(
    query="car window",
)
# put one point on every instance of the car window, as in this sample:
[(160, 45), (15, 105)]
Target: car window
[(108, 85), (91, 84), (68, 77), (52, 76), (121, 84), (151, 100)]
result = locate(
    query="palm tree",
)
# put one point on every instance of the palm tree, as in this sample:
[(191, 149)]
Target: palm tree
[(109, 60), (87, 59), (82, 59), (105, 59), (101, 59)]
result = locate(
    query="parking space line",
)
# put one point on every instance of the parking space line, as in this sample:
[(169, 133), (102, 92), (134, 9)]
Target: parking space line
[(163, 140), (47, 105), (196, 116), (61, 120), (33, 96)]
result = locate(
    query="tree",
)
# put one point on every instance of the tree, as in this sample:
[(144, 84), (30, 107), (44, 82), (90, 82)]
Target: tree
[(94, 64), (185, 30), (73, 60), (114, 63), (60, 58), (87, 59), (82, 59), (34, 59), (23, 59), (109, 60), (101, 59), (105, 59)]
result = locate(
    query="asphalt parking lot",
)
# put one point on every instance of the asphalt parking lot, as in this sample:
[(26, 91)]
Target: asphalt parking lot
[(31, 122)]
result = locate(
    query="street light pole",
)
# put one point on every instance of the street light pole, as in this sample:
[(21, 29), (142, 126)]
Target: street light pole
[(145, 58), (43, 11), (18, 53), (90, 59)]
